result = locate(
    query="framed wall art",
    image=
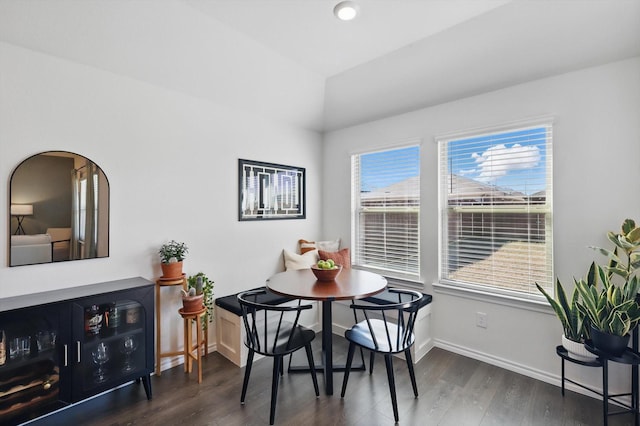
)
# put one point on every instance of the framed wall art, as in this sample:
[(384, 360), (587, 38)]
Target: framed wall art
[(270, 191)]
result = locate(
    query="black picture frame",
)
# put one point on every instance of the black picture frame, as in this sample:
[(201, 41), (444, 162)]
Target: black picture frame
[(268, 191)]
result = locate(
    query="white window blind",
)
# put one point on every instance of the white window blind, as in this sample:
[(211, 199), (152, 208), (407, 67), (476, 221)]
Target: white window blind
[(495, 209), (386, 211)]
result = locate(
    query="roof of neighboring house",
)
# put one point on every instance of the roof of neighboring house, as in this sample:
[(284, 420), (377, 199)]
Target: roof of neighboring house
[(460, 190)]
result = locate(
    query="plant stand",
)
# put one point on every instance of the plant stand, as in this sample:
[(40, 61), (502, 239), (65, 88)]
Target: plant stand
[(165, 282), (630, 357), (193, 352)]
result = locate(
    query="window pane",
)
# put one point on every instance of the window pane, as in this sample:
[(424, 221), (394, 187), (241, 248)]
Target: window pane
[(386, 201), (496, 210)]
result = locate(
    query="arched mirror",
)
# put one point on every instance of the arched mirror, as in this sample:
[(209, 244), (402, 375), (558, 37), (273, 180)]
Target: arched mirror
[(59, 209)]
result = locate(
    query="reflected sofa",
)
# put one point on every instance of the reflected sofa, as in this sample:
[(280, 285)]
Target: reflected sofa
[(30, 249)]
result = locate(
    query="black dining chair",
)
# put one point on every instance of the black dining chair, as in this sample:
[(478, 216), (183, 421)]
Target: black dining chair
[(273, 330), (386, 329)]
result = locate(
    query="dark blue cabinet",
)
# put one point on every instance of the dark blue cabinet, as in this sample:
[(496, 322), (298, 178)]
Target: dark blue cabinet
[(64, 346)]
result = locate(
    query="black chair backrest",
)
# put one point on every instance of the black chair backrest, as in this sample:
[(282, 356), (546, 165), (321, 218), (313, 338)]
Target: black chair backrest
[(395, 334), (270, 329)]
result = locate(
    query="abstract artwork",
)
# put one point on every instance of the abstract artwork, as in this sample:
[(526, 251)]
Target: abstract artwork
[(270, 191)]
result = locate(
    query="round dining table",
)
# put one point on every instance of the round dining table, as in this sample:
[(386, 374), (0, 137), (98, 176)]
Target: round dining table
[(348, 285)]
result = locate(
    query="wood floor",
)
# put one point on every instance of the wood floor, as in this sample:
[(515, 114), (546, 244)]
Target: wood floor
[(454, 390)]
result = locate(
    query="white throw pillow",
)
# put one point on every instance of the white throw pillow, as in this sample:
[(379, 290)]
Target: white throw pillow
[(293, 261), (329, 245)]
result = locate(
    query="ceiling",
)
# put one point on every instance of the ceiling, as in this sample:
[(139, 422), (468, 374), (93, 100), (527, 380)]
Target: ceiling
[(308, 32), (293, 61)]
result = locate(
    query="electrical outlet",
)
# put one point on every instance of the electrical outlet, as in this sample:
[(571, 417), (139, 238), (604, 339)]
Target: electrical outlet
[(481, 319)]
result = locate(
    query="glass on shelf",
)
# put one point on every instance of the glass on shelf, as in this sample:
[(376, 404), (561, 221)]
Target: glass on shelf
[(129, 345), (19, 347), (46, 340), (100, 357)]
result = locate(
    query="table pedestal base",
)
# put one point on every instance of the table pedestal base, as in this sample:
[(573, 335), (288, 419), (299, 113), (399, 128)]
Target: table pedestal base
[(326, 367)]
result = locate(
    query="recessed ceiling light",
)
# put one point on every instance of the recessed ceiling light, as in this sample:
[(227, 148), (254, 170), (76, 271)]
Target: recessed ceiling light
[(346, 10)]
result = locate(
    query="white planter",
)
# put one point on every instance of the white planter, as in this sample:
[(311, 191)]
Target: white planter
[(577, 350)]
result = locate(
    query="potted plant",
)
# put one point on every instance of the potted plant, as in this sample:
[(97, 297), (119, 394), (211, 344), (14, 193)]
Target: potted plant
[(203, 285), (572, 319), (192, 302), (171, 256), (613, 311)]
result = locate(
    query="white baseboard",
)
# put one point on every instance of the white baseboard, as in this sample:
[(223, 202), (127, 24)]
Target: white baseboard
[(173, 361)]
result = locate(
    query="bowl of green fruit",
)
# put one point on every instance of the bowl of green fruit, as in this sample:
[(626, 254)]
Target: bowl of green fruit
[(326, 270)]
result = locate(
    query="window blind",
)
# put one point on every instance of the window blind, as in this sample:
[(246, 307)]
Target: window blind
[(386, 211), (496, 222)]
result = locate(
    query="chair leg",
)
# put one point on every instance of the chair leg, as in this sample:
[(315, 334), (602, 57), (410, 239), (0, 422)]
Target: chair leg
[(277, 363), (312, 367), (392, 384), (281, 366), (355, 319), (412, 374), (247, 373), (347, 368), (371, 359)]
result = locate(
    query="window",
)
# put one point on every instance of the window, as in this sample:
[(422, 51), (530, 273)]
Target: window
[(495, 210), (386, 211)]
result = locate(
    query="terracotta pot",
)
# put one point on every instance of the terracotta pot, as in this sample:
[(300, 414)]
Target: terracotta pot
[(171, 270), (193, 303)]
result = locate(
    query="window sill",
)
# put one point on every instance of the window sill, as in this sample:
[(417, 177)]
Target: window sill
[(532, 304), (394, 281)]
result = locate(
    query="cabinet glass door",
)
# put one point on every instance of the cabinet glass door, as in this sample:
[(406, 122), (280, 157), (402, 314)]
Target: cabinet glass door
[(30, 363), (111, 346)]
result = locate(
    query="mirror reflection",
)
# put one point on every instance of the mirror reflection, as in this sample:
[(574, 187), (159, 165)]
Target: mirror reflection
[(59, 209)]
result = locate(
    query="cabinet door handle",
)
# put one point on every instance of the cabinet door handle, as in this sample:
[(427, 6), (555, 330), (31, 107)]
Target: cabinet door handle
[(66, 355), (78, 349)]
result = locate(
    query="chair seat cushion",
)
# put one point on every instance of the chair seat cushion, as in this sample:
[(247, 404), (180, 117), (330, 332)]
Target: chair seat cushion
[(284, 344), (360, 334), (231, 304)]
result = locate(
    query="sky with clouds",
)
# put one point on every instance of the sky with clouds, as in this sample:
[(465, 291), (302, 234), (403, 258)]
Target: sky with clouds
[(514, 160)]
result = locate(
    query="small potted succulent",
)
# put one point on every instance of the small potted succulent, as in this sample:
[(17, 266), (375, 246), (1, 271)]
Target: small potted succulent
[(192, 302), (171, 256), (203, 285)]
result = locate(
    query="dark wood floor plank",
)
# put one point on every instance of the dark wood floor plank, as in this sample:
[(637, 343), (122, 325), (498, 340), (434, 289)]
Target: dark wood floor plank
[(511, 399), (454, 391), (474, 398)]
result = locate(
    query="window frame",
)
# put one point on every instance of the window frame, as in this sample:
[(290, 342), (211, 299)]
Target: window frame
[(404, 279), (450, 286)]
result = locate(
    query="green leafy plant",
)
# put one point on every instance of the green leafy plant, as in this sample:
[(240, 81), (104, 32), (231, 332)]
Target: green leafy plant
[(627, 242), (201, 284), (613, 309), (567, 311), (173, 251)]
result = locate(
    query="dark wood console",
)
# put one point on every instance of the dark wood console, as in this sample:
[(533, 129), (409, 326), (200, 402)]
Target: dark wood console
[(63, 346)]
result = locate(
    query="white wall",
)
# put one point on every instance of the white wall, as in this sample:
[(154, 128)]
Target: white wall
[(172, 163), (596, 149)]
